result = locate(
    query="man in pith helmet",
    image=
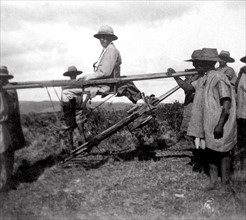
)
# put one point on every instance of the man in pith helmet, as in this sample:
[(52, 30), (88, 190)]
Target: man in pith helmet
[(107, 66)]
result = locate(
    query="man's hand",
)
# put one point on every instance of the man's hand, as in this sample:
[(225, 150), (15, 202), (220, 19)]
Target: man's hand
[(170, 71), (3, 82), (218, 131)]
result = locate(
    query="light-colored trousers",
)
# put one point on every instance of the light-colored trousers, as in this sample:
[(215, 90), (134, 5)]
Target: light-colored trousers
[(70, 93)]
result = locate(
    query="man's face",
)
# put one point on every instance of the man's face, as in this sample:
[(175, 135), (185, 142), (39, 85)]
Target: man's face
[(205, 66), (196, 64), (199, 66), (73, 77), (3, 81), (222, 63), (105, 40)]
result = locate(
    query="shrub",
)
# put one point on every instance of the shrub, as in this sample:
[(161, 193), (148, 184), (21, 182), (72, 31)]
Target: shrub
[(172, 113), (159, 133)]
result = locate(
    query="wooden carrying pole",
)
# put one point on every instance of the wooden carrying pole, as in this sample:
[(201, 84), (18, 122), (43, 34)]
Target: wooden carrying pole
[(116, 127), (81, 83)]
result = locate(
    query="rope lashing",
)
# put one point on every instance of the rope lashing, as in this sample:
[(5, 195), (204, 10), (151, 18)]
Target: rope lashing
[(103, 102), (57, 118), (57, 95)]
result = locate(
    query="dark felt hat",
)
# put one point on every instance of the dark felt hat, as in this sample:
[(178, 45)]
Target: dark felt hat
[(4, 73), (195, 55), (72, 71), (209, 54), (243, 59), (225, 55)]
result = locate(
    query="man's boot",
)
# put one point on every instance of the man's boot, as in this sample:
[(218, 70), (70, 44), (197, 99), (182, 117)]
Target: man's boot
[(213, 173), (68, 109)]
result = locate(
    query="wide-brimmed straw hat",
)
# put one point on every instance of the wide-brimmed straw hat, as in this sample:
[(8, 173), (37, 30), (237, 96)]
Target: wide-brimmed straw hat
[(225, 55), (209, 54), (5, 73), (196, 54), (243, 59), (72, 71), (106, 30)]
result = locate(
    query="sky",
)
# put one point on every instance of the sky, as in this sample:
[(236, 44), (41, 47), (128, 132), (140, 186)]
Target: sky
[(41, 39)]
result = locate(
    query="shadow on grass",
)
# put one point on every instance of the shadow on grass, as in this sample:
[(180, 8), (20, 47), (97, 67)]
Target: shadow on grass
[(197, 162), (27, 172), (96, 159)]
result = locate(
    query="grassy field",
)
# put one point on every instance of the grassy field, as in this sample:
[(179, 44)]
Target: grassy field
[(113, 182)]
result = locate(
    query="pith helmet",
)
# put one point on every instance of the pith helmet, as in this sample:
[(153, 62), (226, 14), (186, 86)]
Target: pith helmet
[(209, 54), (225, 55), (106, 30), (4, 73), (72, 71), (243, 59), (195, 55)]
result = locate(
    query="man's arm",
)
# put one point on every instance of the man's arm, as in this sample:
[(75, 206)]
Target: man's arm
[(218, 130), (185, 85), (106, 66)]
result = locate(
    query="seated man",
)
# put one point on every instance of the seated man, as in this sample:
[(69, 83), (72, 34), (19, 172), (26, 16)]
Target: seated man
[(72, 73), (107, 66)]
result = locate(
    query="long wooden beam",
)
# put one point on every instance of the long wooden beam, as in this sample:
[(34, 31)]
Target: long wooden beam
[(81, 83)]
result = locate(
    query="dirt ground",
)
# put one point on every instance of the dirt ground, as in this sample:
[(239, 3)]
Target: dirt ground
[(113, 189)]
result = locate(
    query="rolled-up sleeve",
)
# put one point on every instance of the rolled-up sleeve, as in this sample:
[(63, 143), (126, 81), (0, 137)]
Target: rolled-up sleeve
[(224, 88)]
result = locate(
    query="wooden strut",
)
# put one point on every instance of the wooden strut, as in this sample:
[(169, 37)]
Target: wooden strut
[(81, 83), (87, 146)]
